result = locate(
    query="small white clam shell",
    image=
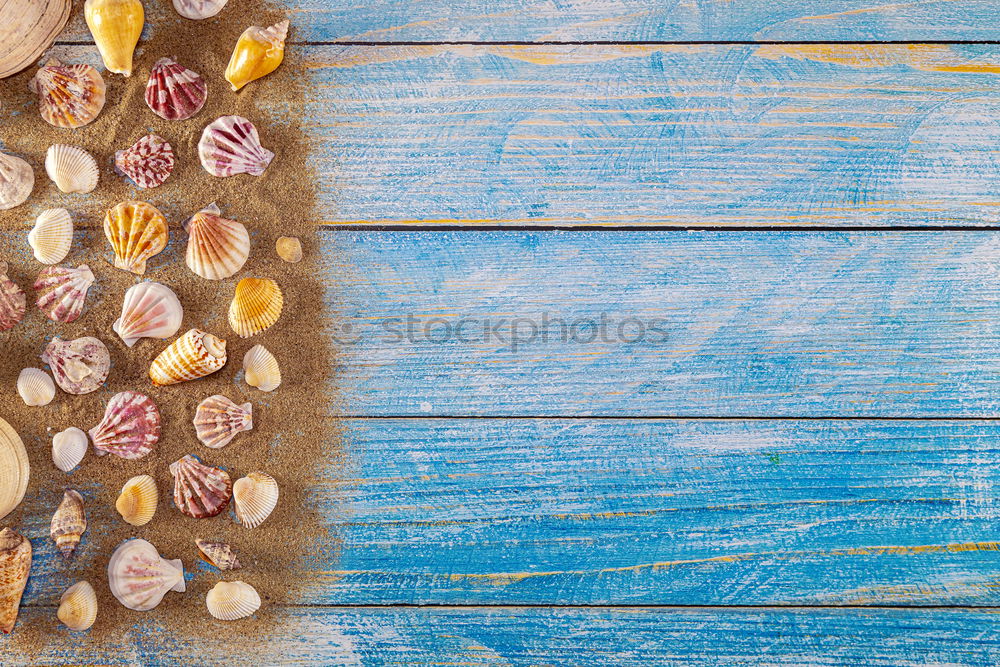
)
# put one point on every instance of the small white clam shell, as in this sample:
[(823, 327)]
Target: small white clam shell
[(35, 387), (71, 168), (78, 606), (199, 9), (52, 236), (68, 448), (17, 180), (255, 497), (261, 369), (232, 600)]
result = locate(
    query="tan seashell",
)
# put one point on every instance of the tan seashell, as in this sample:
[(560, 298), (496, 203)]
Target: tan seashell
[(218, 420), (217, 248), (255, 497), (28, 28), (258, 52), (12, 301), (256, 306), (218, 554), (15, 564), (69, 523), (289, 248), (260, 369), (68, 448), (232, 600), (116, 26), (62, 292), (17, 180), (150, 310), (78, 607), (14, 469), (138, 499), (35, 387), (193, 355), (72, 169), (136, 231), (69, 96), (200, 491), (139, 577), (52, 236)]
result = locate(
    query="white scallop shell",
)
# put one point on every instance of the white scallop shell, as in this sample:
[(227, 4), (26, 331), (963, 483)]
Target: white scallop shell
[(52, 236), (150, 310), (139, 577), (260, 369), (68, 448), (232, 600), (16, 181), (78, 606), (255, 497), (72, 169), (217, 248), (35, 387), (199, 9)]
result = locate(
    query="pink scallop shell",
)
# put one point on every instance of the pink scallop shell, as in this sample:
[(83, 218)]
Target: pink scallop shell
[(63, 291), (79, 366), (200, 491), (130, 428), (148, 162), (231, 146), (175, 92)]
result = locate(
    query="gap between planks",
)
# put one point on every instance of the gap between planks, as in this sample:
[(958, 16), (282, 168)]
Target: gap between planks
[(957, 42)]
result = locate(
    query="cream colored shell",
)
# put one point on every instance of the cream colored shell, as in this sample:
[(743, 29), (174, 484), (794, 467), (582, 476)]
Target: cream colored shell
[(260, 369), (28, 27), (69, 447), (71, 168), (255, 497), (14, 469), (138, 499), (17, 180), (35, 387), (232, 600), (78, 607), (52, 236)]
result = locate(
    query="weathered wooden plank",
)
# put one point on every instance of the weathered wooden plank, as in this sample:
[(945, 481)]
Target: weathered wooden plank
[(694, 323)]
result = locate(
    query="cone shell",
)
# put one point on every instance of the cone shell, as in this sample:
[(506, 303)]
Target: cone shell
[(116, 26), (138, 499), (69, 523), (148, 162), (27, 28), (72, 169), (17, 180), (199, 9), (256, 306), (136, 231), (15, 564), (217, 248), (260, 369), (255, 497), (62, 292), (258, 52), (35, 387), (139, 577), (174, 92), (218, 554), (69, 96), (200, 491), (150, 310), (218, 420), (78, 607), (52, 236), (231, 146), (193, 355), (289, 248), (79, 366), (130, 428), (12, 301), (68, 448), (14, 469), (232, 600)]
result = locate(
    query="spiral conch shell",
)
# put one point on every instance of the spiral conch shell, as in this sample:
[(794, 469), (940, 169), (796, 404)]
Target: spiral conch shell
[(200, 491), (79, 366), (78, 607), (62, 291), (148, 162), (17, 180), (217, 248), (69, 96), (218, 554), (230, 145), (137, 500), (35, 387), (150, 310), (260, 369), (232, 600), (192, 356), (258, 52), (174, 92), (256, 306), (68, 448), (255, 497), (52, 236), (69, 523), (72, 169), (218, 420), (130, 428), (139, 577), (116, 26), (15, 563), (136, 231), (14, 469), (12, 301), (199, 9)]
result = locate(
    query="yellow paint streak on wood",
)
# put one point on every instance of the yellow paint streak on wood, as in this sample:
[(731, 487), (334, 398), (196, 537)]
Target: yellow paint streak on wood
[(891, 7), (926, 57)]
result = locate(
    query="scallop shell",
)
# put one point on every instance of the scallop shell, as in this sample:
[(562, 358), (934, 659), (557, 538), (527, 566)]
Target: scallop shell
[(218, 420), (217, 248), (136, 231), (68, 523), (139, 577), (193, 355), (174, 92), (218, 554), (200, 491), (14, 469), (260, 369), (63, 291), (69, 96), (231, 146), (78, 607), (79, 366), (34, 26), (257, 53), (116, 26), (72, 169), (137, 500), (289, 248), (15, 564), (35, 387), (150, 310), (52, 236), (68, 448), (255, 497), (17, 180), (12, 301), (148, 162), (199, 9), (256, 306), (232, 600), (130, 428)]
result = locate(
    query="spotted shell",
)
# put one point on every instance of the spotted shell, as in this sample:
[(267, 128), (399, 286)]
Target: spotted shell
[(136, 231), (232, 600), (52, 236), (255, 497), (69, 96), (71, 168), (231, 146), (130, 428), (35, 387), (69, 523), (200, 491), (218, 420), (12, 301), (17, 180), (174, 92), (139, 577), (217, 248), (78, 607), (138, 500), (148, 162), (79, 366), (256, 306), (218, 554), (62, 291)]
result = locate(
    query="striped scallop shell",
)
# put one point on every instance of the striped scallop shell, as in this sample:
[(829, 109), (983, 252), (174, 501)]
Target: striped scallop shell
[(68, 448), (12, 301), (139, 577), (148, 162), (52, 236), (68, 523), (231, 146), (14, 469), (256, 306), (78, 607), (216, 248), (136, 231), (199, 9), (200, 491), (232, 600), (137, 500), (69, 96), (174, 92), (255, 497), (17, 180), (130, 428), (72, 169), (218, 420), (193, 355), (218, 554), (150, 310), (260, 369), (63, 291), (79, 366), (35, 387)]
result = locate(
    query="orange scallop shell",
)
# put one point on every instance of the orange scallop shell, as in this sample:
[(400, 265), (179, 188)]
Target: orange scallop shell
[(136, 231)]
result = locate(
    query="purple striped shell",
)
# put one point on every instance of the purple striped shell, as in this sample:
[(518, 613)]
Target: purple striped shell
[(174, 92), (12, 300), (63, 291), (79, 366), (231, 146), (130, 428), (200, 491), (148, 162)]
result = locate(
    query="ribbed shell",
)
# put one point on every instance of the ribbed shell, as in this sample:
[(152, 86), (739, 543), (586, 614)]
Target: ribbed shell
[(150, 310), (62, 291), (193, 355), (218, 554), (68, 448), (78, 607), (148, 162), (72, 169), (14, 469), (199, 9), (52, 236), (17, 180), (116, 26), (231, 146), (255, 497), (137, 500), (68, 523), (232, 600), (175, 92), (256, 306), (28, 28), (79, 366), (35, 387), (136, 231), (257, 53), (217, 248), (15, 564), (130, 428), (69, 96), (200, 491), (139, 577), (218, 420), (260, 369), (12, 301)]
